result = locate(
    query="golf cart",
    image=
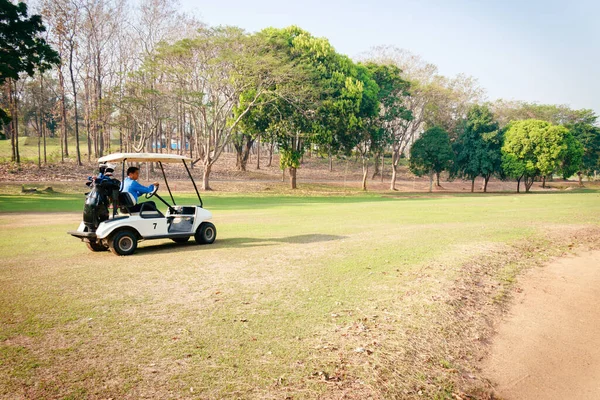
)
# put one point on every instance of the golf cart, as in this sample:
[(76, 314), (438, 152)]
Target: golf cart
[(120, 232)]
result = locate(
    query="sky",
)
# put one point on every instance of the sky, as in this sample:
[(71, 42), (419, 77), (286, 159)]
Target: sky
[(531, 50)]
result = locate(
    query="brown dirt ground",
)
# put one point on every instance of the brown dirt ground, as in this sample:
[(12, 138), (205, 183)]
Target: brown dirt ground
[(547, 347), (224, 176)]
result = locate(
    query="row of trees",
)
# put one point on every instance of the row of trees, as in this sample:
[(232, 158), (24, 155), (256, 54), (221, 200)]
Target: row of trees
[(157, 81), (524, 150)]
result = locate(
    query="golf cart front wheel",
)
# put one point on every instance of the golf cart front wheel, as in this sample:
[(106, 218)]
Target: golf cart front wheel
[(96, 246), (123, 243), (206, 233)]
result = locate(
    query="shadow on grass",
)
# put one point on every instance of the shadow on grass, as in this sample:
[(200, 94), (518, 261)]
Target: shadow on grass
[(228, 243)]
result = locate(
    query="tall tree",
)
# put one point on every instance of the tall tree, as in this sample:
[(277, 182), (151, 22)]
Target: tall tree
[(589, 137), (557, 114), (320, 105), (478, 147), (431, 154), (23, 50), (534, 148), (382, 122), (220, 75), (433, 100), (63, 18)]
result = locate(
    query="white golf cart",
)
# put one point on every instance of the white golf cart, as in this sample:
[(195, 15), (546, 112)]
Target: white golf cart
[(120, 232)]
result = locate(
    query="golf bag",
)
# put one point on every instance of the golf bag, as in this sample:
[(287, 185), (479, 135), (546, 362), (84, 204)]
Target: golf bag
[(97, 202)]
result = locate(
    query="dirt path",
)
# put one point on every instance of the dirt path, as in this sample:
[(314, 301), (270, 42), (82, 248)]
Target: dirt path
[(549, 345)]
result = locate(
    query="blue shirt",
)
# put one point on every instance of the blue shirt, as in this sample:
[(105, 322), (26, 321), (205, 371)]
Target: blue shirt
[(136, 189)]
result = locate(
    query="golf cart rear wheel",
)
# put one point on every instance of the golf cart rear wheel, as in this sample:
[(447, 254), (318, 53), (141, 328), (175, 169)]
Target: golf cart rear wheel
[(95, 246), (181, 239), (206, 233), (123, 243)]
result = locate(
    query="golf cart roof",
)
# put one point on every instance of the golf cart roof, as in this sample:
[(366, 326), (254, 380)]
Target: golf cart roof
[(141, 157)]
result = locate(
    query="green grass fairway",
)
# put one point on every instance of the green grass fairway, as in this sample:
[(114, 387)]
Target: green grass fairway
[(301, 297)]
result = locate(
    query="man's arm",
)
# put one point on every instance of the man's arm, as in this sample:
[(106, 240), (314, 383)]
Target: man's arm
[(141, 188)]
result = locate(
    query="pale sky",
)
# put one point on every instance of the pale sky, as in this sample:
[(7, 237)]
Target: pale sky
[(544, 51)]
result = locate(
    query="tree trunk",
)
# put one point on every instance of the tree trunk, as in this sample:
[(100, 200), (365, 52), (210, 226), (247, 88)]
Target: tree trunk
[(9, 126), (44, 139), (431, 182), (519, 184), (579, 174), (243, 152), (365, 168), (292, 177), (16, 126), (472, 185), (258, 152), (87, 120), (271, 146), (99, 110), (39, 124), (437, 175), (485, 184), (63, 113), (544, 182), (528, 183), (376, 172), (393, 182), (395, 159), (382, 164), (75, 106), (205, 177)]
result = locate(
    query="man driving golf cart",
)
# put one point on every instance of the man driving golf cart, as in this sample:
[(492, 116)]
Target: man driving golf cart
[(102, 230), (132, 186)]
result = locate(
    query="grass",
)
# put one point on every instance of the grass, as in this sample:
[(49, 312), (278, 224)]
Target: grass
[(28, 149), (299, 296)]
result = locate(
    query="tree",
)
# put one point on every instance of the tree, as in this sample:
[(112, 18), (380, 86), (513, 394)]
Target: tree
[(432, 99), (370, 133), (251, 127), (557, 114), (572, 157), (220, 75), (393, 114), (23, 51), (478, 148), (534, 148), (589, 137), (431, 154), (320, 104)]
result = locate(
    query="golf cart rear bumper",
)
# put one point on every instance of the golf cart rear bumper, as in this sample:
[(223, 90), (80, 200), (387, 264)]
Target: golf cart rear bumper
[(83, 235)]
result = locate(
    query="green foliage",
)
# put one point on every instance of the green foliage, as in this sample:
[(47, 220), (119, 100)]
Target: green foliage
[(22, 49), (534, 148), (553, 113), (431, 153), (478, 148), (385, 109), (589, 137), (572, 157), (290, 158), (325, 98)]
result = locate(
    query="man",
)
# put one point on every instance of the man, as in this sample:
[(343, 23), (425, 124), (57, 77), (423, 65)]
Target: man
[(131, 185)]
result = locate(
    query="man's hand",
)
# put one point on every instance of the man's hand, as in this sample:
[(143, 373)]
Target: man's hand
[(155, 184)]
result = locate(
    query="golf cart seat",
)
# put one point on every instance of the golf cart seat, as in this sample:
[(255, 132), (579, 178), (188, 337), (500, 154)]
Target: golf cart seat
[(127, 204)]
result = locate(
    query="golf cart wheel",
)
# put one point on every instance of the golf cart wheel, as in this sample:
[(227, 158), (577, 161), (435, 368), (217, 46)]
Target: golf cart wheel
[(206, 233), (181, 239), (96, 246), (123, 243)]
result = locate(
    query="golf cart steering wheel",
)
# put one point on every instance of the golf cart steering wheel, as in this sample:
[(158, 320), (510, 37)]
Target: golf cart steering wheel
[(151, 194)]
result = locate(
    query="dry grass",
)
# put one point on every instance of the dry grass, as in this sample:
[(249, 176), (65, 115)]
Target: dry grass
[(370, 298)]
